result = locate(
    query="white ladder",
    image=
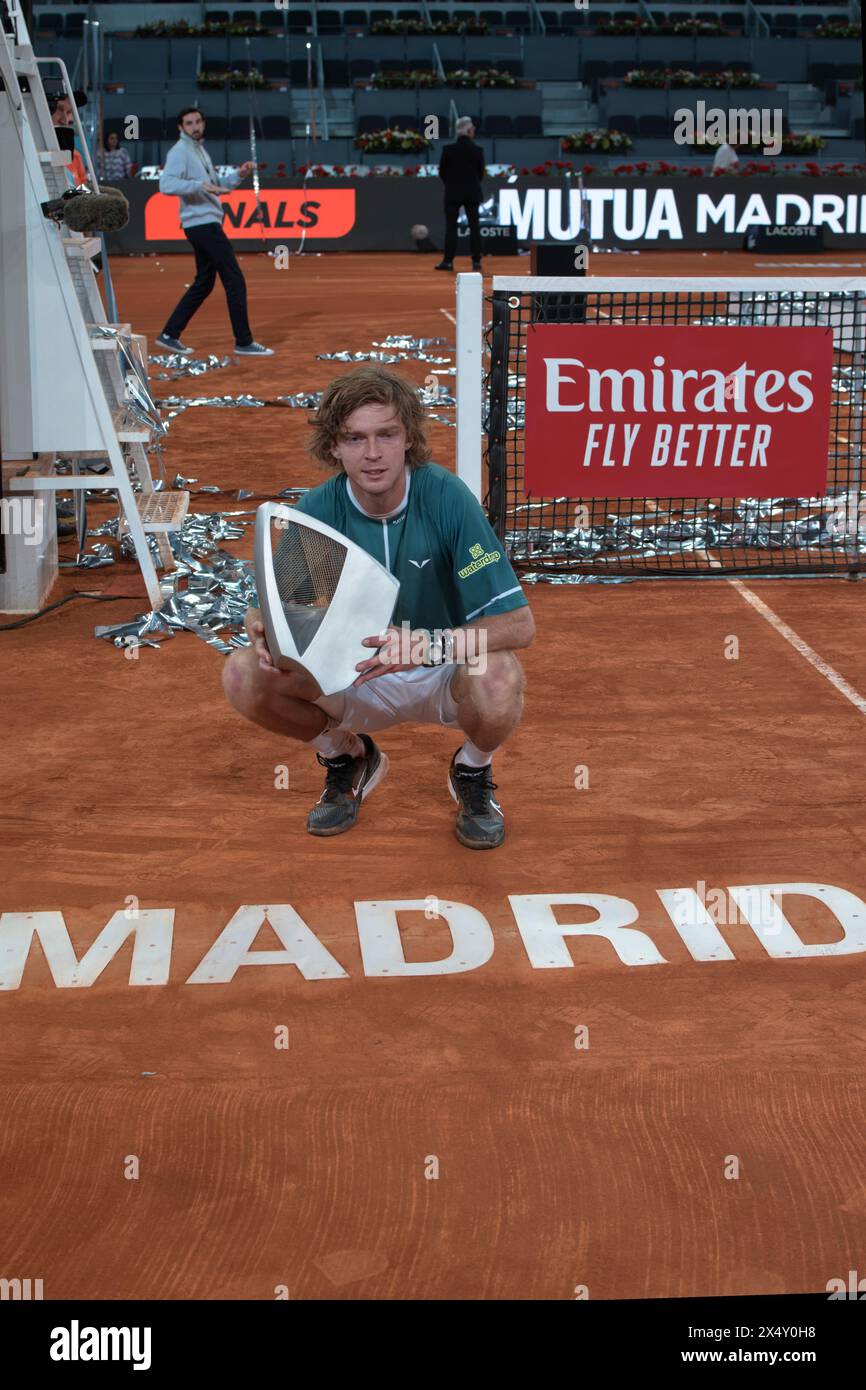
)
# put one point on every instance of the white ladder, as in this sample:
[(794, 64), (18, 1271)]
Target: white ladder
[(62, 389)]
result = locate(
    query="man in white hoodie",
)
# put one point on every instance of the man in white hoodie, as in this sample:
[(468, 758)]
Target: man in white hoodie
[(190, 175)]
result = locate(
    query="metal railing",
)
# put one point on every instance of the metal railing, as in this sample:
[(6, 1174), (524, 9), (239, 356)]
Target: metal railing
[(538, 24), (320, 74)]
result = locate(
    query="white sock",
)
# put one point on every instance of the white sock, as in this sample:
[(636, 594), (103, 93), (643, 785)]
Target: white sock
[(333, 742), (470, 756)]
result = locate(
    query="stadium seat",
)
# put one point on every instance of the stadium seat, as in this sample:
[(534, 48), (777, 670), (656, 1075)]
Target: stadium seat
[(361, 67), (404, 120), (620, 66), (528, 125), (519, 20), (151, 128), (439, 16), (498, 125), (216, 128), (274, 69), (376, 16), (731, 19), (655, 127), (551, 21), (492, 17), (820, 72), (73, 27), (409, 14), (239, 128), (355, 19), (625, 121), (392, 64), (708, 65), (272, 19), (336, 72), (49, 23), (298, 72), (216, 17), (276, 127), (371, 121), (300, 21), (329, 22), (593, 69), (248, 18), (857, 129)]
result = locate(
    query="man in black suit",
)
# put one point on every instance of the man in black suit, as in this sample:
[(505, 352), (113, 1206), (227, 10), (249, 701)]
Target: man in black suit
[(461, 169)]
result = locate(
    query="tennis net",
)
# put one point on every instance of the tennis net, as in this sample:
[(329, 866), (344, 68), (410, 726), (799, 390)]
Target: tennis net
[(676, 535)]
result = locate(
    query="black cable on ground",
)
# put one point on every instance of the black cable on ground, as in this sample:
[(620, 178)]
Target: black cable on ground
[(79, 593)]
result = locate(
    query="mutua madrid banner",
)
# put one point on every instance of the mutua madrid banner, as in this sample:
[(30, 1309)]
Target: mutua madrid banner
[(677, 411), (377, 214)]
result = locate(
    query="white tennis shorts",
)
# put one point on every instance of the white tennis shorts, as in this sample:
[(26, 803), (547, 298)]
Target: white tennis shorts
[(419, 696)]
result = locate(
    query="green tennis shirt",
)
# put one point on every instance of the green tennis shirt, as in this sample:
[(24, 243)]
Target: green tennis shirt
[(450, 563)]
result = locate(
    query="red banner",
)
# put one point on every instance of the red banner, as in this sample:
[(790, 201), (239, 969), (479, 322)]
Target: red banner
[(677, 411), (279, 214)]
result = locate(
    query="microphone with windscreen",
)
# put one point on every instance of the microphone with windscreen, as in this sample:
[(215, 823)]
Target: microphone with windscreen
[(320, 595)]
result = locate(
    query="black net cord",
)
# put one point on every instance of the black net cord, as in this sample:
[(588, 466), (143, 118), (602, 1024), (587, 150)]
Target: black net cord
[(497, 423)]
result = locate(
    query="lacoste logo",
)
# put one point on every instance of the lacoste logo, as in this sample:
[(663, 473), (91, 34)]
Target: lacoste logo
[(420, 563)]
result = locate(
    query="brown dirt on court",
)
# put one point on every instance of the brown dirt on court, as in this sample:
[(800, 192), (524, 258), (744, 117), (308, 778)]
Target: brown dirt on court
[(557, 1167)]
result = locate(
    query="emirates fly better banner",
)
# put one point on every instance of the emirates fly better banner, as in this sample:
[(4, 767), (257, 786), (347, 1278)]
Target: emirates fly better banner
[(637, 411)]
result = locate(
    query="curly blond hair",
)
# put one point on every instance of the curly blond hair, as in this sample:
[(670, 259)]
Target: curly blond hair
[(368, 385)]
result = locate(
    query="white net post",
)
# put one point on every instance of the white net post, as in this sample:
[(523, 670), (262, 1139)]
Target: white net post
[(470, 345)]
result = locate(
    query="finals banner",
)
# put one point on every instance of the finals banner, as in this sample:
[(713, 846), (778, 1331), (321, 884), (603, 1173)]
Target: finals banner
[(677, 411), (327, 212)]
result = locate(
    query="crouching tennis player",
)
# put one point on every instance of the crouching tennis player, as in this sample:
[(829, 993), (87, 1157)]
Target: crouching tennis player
[(449, 656)]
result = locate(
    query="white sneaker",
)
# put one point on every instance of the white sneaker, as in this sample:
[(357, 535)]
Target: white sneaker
[(254, 350)]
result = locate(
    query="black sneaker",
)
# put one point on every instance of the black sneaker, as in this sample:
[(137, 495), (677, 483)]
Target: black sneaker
[(347, 781), (476, 265), (480, 822), (444, 265), (174, 345)]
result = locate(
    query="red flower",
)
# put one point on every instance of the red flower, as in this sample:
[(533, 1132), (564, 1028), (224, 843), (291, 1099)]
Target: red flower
[(624, 169), (339, 169), (587, 168)]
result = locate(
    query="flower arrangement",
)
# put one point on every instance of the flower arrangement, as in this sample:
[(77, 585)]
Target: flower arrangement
[(683, 77), (459, 77), (838, 29), (181, 29), (596, 140), (560, 168), (420, 26), (486, 77), (704, 28), (415, 77), (391, 142), (233, 76)]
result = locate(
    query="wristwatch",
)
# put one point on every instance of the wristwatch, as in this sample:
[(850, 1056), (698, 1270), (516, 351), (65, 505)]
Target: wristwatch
[(435, 650), (441, 650)]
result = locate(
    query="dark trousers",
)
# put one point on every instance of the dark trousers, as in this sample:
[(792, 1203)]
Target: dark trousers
[(214, 257), (452, 210)]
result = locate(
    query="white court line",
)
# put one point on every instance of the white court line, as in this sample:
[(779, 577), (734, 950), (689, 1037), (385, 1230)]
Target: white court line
[(808, 265), (821, 666), (447, 315)]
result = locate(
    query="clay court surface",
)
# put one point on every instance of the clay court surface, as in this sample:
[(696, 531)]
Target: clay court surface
[(602, 1166)]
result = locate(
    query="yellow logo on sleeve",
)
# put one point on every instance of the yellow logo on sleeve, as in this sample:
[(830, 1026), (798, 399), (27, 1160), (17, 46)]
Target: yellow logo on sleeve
[(479, 560)]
